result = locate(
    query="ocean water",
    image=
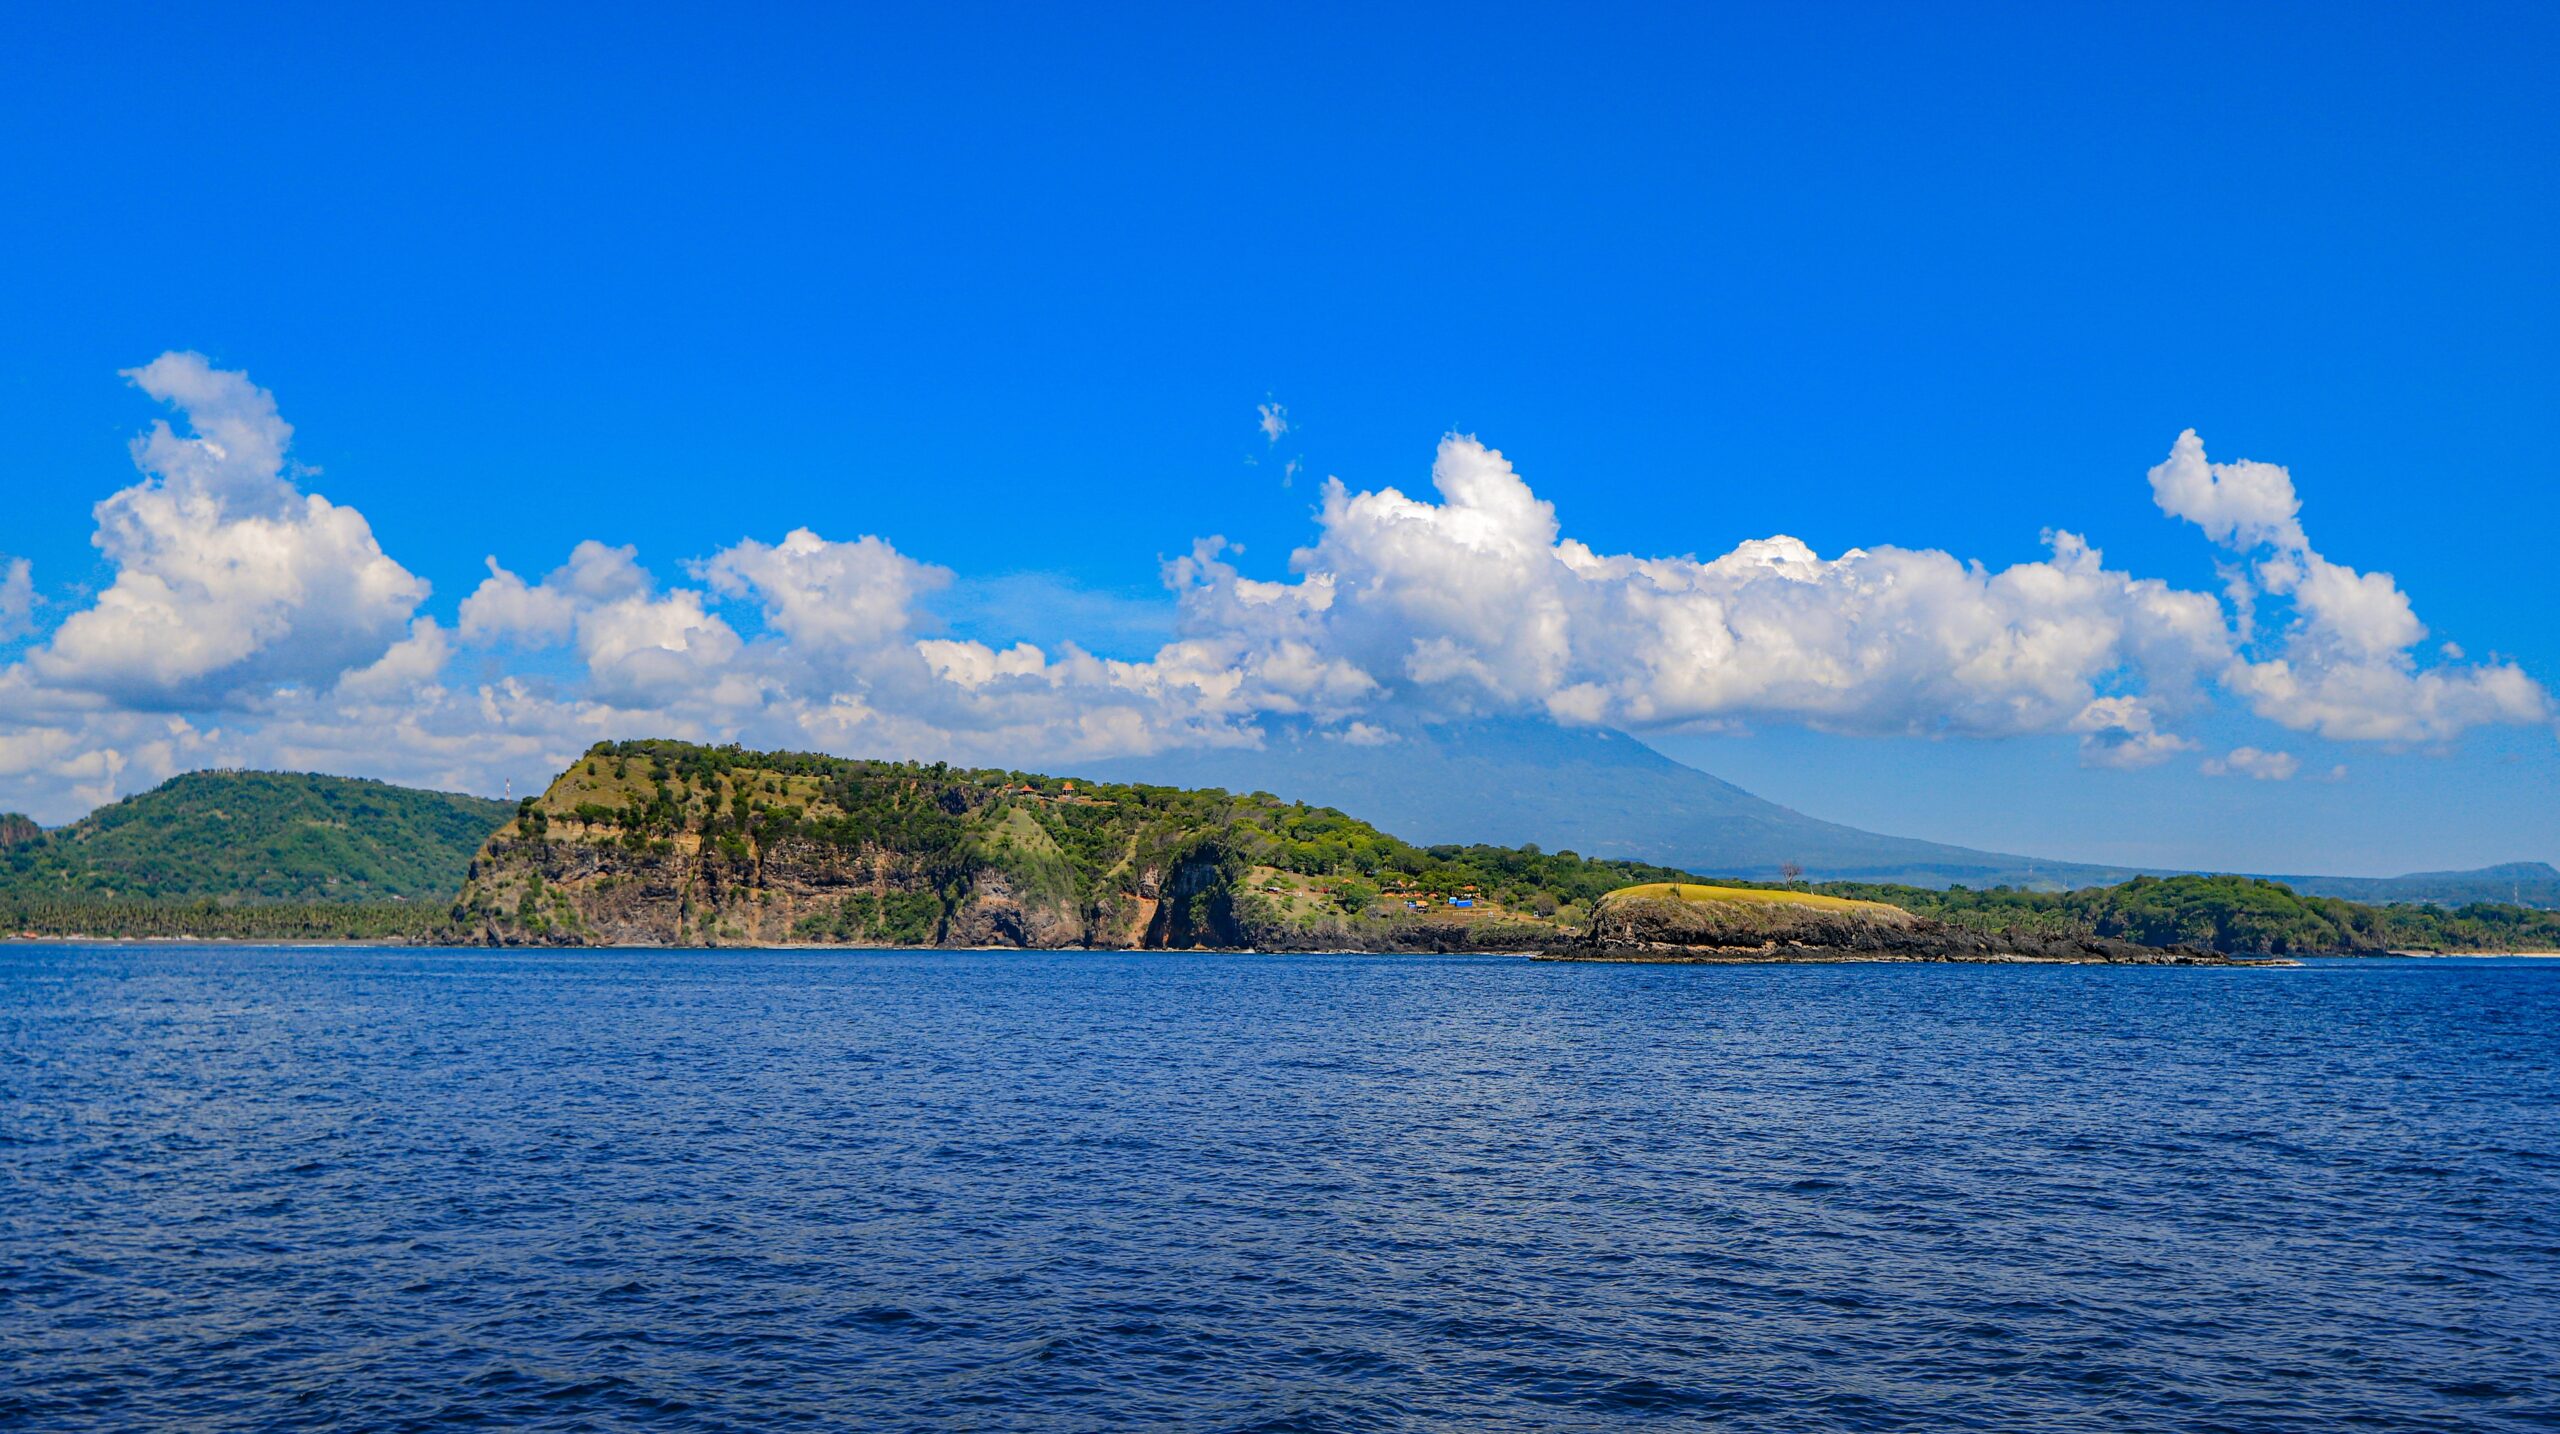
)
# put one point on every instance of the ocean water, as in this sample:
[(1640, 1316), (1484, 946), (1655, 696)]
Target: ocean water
[(247, 1188)]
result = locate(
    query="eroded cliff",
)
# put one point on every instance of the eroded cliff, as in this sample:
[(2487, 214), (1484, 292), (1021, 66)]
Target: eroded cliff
[(668, 844)]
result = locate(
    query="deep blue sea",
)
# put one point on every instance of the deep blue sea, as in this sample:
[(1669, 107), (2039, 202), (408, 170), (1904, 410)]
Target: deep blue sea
[(249, 1188)]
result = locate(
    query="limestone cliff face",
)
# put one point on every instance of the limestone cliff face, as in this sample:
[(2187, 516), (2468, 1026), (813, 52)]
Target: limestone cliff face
[(995, 913), (577, 886), (569, 890), (614, 856)]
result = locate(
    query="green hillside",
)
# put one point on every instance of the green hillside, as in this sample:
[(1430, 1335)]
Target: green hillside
[(255, 837), (2241, 914)]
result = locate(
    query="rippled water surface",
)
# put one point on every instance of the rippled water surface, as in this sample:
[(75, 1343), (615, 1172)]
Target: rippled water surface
[(266, 1188)]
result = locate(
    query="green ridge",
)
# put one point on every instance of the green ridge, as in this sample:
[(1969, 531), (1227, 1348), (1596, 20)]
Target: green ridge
[(255, 838), (2239, 914)]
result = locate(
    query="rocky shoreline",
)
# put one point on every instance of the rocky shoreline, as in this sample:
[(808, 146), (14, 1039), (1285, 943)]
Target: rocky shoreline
[(2090, 953), (606, 895)]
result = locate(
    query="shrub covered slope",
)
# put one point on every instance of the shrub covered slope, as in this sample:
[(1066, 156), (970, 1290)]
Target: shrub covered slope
[(2238, 914)]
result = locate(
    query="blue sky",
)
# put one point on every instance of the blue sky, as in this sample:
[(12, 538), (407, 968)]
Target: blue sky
[(1005, 288)]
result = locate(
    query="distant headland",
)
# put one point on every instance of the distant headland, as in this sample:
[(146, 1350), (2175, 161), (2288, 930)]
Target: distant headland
[(673, 844)]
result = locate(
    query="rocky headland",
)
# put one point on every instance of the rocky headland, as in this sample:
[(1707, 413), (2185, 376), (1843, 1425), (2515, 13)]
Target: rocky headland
[(1693, 923), (665, 844)]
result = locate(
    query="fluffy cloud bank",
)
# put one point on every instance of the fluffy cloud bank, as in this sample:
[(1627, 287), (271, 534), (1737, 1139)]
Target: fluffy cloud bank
[(251, 622), (1478, 600), (2345, 666), (228, 578)]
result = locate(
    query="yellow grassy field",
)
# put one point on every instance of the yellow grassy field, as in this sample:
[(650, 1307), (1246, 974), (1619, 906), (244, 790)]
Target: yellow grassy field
[(1751, 895)]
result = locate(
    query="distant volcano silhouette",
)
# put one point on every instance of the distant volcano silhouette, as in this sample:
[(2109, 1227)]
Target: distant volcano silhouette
[(1590, 790)]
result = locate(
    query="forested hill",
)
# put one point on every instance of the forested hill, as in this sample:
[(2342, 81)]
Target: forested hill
[(2241, 914), (255, 837)]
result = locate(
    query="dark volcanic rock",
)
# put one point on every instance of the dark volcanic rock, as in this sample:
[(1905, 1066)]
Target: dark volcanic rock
[(997, 915)]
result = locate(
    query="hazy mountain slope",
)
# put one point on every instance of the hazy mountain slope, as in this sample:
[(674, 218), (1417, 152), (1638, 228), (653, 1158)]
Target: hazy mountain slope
[(1597, 792), (259, 837), (2528, 883)]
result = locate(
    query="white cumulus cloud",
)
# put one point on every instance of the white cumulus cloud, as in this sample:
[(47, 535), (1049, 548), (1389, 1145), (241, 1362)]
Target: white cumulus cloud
[(2122, 732), (2252, 762), (2345, 666), (249, 622), (831, 596), (228, 577), (641, 648), (1479, 602)]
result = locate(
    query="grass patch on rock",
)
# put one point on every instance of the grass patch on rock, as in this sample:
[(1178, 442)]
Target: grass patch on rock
[(1747, 895)]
